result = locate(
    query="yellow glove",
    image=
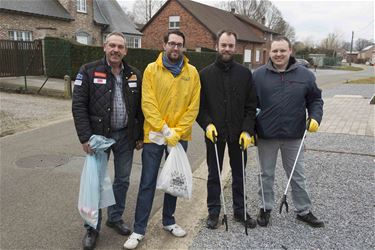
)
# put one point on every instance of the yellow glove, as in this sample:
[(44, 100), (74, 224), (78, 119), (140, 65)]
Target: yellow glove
[(312, 125), (247, 140), (171, 136), (209, 130)]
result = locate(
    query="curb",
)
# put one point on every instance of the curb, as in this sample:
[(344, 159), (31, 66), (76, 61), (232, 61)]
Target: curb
[(188, 214)]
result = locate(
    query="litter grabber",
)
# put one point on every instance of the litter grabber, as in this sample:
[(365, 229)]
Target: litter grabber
[(244, 184), (225, 219), (260, 174), (283, 200)]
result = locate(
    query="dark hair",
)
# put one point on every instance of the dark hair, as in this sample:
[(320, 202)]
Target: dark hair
[(228, 32), (282, 38), (176, 32)]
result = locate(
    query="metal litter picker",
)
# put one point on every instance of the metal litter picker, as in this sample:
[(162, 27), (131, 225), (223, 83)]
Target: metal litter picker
[(225, 219), (283, 200)]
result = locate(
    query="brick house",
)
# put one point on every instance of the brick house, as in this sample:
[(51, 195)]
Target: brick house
[(367, 54), (86, 21), (200, 23)]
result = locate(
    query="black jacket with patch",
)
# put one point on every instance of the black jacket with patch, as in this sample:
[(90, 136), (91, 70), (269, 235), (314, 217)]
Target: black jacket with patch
[(93, 100)]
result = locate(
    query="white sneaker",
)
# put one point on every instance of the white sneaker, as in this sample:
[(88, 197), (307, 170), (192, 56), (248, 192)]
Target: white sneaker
[(176, 230), (133, 241)]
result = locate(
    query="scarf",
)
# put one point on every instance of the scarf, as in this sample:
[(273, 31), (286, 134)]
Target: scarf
[(174, 68)]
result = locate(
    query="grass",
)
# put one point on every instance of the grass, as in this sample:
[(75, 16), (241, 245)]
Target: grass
[(369, 80), (348, 68)]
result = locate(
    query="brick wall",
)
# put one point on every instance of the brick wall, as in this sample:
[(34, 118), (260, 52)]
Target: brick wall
[(42, 26), (196, 34)]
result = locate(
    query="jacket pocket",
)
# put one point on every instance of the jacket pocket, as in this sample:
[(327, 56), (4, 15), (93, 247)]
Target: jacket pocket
[(97, 125)]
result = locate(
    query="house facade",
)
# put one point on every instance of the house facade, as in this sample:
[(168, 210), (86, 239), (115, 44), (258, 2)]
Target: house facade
[(367, 54), (86, 21), (200, 24)]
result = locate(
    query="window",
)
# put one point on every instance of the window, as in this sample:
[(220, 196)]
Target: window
[(81, 6), (174, 22), (257, 56), (18, 35), (133, 41), (247, 56), (83, 37)]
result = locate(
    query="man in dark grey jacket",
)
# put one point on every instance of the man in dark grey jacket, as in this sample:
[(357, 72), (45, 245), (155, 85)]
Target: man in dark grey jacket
[(227, 109), (107, 101), (285, 91)]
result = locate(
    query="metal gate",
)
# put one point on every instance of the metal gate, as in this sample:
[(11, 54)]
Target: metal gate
[(18, 58)]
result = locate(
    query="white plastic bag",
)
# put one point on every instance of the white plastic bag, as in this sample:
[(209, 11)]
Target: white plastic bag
[(88, 201), (176, 177), (95, 188)]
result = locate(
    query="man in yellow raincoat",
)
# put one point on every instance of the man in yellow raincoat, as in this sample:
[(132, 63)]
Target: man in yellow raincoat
[(170, 103)]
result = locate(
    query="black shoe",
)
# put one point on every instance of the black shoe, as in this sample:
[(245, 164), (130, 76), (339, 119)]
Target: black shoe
[(212, 221), (250, 222), (89, 240), (119, 227), (264, 217), (311, 220)]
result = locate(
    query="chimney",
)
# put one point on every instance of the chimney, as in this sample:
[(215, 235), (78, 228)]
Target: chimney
[(263, 21), (233, 10)]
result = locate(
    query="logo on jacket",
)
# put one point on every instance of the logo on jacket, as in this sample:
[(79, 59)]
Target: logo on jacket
[(100, 80), (100, 74)]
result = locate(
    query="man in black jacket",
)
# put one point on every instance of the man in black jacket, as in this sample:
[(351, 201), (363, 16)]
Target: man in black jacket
[(107, 101), (285, 90), (227, 110)]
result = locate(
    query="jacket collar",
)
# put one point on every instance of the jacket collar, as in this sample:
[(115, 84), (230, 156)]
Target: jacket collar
[(159, 60), (125, 67), (292, 65), (225, 66)]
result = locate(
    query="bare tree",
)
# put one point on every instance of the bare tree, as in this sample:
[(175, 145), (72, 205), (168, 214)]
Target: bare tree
[(361, 43), (259, 9), (332, 42), (143, 10)]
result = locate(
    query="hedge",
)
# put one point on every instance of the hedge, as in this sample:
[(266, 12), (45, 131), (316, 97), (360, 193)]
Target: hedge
[(64, 57)]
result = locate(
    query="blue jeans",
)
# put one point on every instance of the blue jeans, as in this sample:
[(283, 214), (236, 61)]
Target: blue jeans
[(123, 159), (151, 158)]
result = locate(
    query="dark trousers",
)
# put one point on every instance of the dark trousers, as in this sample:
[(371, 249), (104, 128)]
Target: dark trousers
[(213, 184)]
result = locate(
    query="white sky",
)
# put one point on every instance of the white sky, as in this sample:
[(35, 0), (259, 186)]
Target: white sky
[(314, 20)]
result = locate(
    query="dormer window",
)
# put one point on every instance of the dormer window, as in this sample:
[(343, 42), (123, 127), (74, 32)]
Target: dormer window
[(81, 6), (174, 22)]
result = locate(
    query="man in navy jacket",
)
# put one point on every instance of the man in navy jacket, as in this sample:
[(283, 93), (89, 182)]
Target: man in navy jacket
[(285, 91)]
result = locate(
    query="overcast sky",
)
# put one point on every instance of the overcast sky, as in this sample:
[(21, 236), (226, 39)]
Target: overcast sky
[(314, 20)]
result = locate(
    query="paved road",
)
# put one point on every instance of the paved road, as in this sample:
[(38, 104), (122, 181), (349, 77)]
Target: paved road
[(40, 172)]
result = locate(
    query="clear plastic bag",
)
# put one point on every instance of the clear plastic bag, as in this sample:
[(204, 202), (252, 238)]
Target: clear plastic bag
[(176, 177), (96, 187), (88, 201)]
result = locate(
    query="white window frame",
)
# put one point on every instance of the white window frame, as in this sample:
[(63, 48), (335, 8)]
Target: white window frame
[(174, 22), (83, 38), (247, 55), (81, 6), (257, 55), (133, 41), (20, 35)]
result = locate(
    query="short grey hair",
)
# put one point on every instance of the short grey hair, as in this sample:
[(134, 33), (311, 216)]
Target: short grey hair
[(115, 33)]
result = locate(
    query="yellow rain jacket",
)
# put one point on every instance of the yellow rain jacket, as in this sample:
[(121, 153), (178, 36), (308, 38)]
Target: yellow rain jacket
[(168, 99)]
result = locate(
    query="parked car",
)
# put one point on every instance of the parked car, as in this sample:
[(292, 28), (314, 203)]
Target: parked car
[(303, 62)]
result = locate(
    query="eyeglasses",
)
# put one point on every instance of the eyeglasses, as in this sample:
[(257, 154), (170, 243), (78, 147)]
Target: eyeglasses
[(173, 44)]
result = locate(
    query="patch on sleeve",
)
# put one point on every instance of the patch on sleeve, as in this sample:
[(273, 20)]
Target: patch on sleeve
[(79, 76), (78, 82)]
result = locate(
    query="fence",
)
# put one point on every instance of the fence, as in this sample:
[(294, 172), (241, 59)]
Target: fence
[(21, 58)]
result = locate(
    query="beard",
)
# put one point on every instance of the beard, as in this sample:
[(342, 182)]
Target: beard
[(225, 57), (174, 57)]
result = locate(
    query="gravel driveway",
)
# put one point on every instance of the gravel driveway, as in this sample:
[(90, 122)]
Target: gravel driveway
[(19, 112)]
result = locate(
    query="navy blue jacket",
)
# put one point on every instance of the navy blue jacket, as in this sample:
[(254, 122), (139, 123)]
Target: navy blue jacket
[(283, 98)]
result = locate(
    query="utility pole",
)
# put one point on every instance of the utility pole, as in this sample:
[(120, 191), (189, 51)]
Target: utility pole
[(351, 49)]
